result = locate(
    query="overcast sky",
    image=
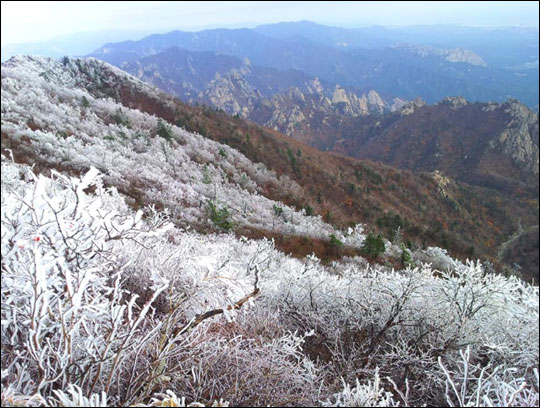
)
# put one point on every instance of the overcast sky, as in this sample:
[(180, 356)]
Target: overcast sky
[(39, 21)]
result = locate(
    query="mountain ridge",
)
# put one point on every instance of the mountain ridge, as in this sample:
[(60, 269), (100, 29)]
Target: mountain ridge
[(392, 71), (339, 189), (277, 99)]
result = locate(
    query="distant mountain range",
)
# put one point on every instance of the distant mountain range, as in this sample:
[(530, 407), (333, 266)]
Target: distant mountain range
[(489, 145), (499, 47), (340, 56)]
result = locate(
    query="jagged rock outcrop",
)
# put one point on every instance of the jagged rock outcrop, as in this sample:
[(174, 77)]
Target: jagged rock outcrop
[(231, 91), (410, 107), (397, 104), (519, 140), (291, 108)]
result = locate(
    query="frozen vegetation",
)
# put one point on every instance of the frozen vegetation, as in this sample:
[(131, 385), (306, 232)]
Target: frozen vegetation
[(182, 172), (106, 305)]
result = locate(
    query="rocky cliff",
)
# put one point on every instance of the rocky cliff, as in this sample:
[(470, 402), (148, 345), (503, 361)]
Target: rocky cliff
[(519, 139)]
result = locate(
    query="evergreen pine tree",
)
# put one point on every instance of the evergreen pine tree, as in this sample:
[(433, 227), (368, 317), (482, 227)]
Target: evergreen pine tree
[(406, 257), (373, 245)]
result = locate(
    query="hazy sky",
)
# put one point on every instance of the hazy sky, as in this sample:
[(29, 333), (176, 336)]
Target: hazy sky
[(43, 20)]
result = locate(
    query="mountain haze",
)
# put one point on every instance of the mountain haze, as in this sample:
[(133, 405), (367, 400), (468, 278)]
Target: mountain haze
[(397, 71)]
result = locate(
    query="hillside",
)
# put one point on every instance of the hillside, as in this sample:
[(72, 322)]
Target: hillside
[(467, 221), (490, 145), (123, 283)]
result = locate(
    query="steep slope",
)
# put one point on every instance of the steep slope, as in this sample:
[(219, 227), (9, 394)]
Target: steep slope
[(489, 145), (196, 179), (59, 115), (105, 306)]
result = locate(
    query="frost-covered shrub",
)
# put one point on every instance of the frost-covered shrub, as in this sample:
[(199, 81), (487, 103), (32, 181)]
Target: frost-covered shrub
[(66, 318), (469, 385), (98, 302), (403, 321), (247, 372), (438, 258), (74, 397), (363, 395)]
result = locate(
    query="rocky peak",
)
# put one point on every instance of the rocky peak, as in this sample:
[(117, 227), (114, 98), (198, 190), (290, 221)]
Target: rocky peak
[(520, 138), (375, 99), (351, 104), (411, 106), (455, 102), (339, 95), (315, 86)]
